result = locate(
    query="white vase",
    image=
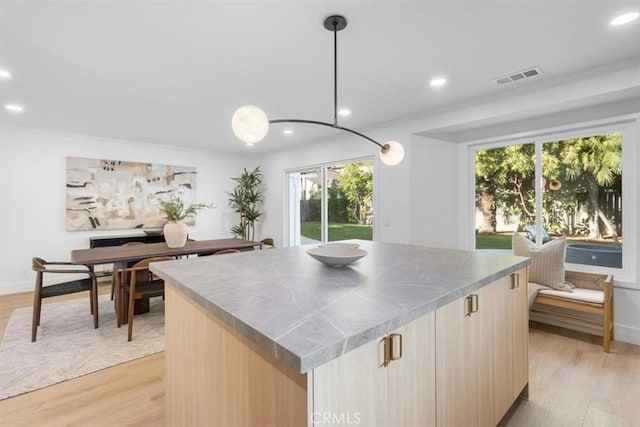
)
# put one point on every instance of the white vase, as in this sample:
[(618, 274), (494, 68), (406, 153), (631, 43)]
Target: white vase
[(175, 234)]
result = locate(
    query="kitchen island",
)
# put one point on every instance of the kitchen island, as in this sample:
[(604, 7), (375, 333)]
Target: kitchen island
[(275, 337)]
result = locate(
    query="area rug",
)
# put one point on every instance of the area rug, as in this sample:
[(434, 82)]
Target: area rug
[(68, 347)]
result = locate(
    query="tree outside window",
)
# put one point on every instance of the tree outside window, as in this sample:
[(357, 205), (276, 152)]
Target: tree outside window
[(581, 191)]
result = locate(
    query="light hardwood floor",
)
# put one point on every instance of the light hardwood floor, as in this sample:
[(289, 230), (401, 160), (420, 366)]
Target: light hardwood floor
[(571, 383), (130, 394)]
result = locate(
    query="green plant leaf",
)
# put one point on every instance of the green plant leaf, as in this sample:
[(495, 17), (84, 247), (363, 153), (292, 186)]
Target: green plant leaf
[(175, 210), (246, 200)]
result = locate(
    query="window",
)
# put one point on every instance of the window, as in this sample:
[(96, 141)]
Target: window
[(582, 197), (571, 186), (505, 193), (332, 202)]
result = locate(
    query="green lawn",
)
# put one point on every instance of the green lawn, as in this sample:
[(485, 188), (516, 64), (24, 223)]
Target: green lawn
[(365, 232), (493, 241), (503, 241), (337, 231)]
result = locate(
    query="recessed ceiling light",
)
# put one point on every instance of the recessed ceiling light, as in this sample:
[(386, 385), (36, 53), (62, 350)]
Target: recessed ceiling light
[(14, 108), (345, 112), (249, 144), (625, 19), (4, 74), (437, 82), (288, 132)]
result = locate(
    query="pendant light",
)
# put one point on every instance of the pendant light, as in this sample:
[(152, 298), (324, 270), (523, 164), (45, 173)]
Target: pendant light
[(251, 124)]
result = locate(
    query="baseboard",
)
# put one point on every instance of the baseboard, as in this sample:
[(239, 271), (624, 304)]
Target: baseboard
[(16, 287), (627, 334)]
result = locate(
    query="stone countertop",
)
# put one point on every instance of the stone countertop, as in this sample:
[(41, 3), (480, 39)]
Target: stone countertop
[(305, 313)]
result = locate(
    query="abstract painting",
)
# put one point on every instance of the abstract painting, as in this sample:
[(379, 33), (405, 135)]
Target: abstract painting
[(115, 194)]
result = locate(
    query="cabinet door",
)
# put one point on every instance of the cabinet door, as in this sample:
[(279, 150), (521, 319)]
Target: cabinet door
[(511, 338), (351, 389), (521, 334), (412, 377), (482, 336), (357, 389), (463, 350), (503, 344)]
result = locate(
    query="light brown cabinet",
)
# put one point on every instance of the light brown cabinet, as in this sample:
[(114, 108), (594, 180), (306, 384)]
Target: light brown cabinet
[(511, 341), (481, 353), (463, 351), (358, 387)]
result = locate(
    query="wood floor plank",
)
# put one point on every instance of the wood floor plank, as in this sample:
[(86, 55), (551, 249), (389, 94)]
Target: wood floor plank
[(572, 382)]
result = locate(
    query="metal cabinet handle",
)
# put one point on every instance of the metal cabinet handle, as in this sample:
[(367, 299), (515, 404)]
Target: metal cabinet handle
[(392, 338), (471, 304), (474, 303), (389, 349), (515, 280)]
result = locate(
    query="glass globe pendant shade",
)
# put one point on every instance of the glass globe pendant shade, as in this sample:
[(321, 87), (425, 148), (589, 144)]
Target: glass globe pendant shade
[(391, 153), (250, 124)]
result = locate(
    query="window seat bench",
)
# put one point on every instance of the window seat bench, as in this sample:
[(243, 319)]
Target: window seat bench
[(589, 307)]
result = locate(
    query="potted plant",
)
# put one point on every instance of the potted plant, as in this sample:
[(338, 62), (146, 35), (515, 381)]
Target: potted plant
[(246, 200), (175, 230)]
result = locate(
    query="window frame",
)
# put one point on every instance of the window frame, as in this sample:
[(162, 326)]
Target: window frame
[(324, 205), (627, 126)]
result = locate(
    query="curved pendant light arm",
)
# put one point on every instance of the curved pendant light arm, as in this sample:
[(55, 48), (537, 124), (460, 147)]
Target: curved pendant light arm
[(331, 125)]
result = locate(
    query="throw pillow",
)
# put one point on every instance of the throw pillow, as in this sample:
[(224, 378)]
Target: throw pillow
[(547, 261)]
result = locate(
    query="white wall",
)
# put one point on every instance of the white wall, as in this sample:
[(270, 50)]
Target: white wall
[(627, 301), (32, 194), (392, 183), (414, 202), (627, 314), (435, 174)]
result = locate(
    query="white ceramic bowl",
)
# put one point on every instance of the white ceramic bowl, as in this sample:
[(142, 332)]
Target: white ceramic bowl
[(339, 245), (337, 255)]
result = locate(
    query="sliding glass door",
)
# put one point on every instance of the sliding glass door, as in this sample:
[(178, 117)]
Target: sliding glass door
[(305, 191), (330, 203)]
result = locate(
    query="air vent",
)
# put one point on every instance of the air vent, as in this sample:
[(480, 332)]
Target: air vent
[(519, 75)]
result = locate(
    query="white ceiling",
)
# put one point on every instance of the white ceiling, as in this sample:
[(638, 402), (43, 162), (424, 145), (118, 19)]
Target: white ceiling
[(173, 72)]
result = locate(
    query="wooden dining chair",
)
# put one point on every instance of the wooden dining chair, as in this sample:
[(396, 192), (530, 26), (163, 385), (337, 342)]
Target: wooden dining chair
[(42, 267), (226, 251), (222, 252), (121, 264), (268, 243), (137, 283)]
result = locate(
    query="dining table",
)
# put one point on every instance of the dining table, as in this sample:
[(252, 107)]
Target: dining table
[(127, 254)]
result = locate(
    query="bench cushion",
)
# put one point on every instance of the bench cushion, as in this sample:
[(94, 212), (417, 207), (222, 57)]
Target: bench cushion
[(533, 290), (590, 296)]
